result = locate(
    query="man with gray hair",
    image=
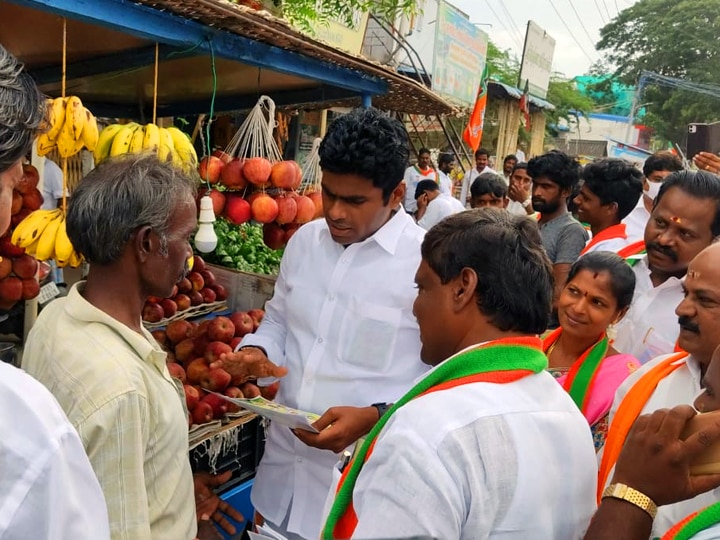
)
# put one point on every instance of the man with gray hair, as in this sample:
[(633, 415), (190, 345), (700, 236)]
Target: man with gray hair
[(132, 219), (47, 487)]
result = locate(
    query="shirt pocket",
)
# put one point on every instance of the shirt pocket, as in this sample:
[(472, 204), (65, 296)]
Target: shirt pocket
[(368, 334), (655, 345)]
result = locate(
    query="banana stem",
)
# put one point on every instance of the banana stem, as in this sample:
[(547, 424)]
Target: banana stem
[(155, 86)]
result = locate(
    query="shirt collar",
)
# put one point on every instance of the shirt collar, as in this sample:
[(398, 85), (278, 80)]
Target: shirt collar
[(388, 236), (144, 345), (643, 268)]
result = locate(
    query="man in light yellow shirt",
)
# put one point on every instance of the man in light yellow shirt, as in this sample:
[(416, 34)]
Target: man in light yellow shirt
[(132, 220)]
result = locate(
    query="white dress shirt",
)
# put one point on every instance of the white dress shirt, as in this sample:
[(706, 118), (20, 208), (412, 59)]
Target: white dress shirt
[(341, 321), (52, 185), (468, 180), (510, 461), (446, 184), (650, 327), (636, 221), (438, 209), (48, 490), (516, 208), (681, 387), (412, 178)]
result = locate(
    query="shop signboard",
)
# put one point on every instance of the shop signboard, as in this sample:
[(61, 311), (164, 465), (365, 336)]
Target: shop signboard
[(537, 60), (347, 38), (459, 56)]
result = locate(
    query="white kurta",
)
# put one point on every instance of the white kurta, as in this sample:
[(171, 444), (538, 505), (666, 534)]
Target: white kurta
[(650, 327), (412, 178), (438, 209), (341, 321), (636, 221), (681, 387), (510, 461)]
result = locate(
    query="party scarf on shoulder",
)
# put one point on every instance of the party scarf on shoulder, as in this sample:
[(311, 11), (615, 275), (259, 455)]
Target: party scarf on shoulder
[(694, 523), (629, 253), (615, 231), (582, 373), (500, 361)]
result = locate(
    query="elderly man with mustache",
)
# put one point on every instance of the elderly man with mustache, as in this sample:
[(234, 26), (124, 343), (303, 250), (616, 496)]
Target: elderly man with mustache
[(684, 221)]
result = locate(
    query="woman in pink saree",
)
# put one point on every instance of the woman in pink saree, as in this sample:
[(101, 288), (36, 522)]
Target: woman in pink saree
[(597, 295)]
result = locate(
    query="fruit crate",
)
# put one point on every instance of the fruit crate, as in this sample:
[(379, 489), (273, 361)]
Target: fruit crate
[(246, 291), (236, 446)]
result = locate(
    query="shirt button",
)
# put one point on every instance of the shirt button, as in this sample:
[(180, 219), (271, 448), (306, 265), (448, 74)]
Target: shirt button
[(320, 340), (299, 460)]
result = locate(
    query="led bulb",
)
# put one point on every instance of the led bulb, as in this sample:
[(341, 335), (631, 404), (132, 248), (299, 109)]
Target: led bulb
[(205, 238)]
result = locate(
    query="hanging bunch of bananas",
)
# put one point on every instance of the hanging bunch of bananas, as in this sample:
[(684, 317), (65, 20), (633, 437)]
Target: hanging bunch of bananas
[(71, 128), (168, 143), (43, 235)]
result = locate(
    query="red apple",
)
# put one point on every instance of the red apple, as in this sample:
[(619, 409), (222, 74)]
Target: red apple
[(216, 379), (220, 292), (201, 342), (287, 209), (197, 280), (316, 198), (208, 277), (235, 393), (196, 370), (257, 316), (237, 209), (199, 264), (177, 331), (217, 197), (196, 298), (232, 176), (290, 230), (305, 209), (184, 286), (269, 392), (169, 307), (32, 200), (185, 350), (210, 168), (202, 413), (17, 203), (17, 218), (182, 301), (152, 312), (11, 289), (192, 396), (222, 156), (235, 343), (30, 179), (286, 175), (31, 288), (257, 170), (25, 266), (215, 349), (161, 337), (250, 390), (243, 323), (219, 405), (177, 371), (264, 209), (208, 295), (221, 329), (8, 249), (273, 236), (200, 329), (5, 267)]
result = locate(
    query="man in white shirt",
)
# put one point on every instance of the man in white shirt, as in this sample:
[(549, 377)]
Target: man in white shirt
[(655, 169), (423, 170), (340, 319), (508, 165), (610, 190), (476, 449), (699, 336), (482, 157), (434, 206), (488, 191), (685, 220), (52, 185), (519, 191), (446, 164)]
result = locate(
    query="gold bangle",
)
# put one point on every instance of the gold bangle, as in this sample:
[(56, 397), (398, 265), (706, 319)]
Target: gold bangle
[(633, 496)]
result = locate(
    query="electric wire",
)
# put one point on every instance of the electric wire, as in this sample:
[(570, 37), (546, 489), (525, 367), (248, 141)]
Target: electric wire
[(571, 32)]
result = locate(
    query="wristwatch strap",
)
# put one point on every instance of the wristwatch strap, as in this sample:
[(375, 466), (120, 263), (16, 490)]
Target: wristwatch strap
[(382, 408), (633, 496)]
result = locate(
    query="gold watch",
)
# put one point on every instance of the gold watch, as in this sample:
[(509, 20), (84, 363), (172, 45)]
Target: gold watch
[(633, 496)]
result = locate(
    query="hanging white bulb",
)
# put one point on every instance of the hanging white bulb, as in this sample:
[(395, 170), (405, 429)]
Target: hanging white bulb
[(205, 238)]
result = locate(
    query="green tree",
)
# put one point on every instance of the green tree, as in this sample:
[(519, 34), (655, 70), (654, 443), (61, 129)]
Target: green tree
[(502, 66), (569, 102), (675, 38)]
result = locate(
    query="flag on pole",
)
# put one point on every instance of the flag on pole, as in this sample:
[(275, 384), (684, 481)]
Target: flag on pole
[(525, 105), (474, 130)]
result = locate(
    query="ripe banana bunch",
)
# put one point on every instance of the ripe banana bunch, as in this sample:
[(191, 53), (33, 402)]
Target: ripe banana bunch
[(169, 144), (43, 235), (72, 128)]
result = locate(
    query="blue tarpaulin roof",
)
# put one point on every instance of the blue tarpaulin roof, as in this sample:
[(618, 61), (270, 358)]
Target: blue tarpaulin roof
[(516, 93)]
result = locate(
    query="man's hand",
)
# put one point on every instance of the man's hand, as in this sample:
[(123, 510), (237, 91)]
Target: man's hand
[(206, 529), (517, 193), (207, 503), (339, 427), (246, 364), (656, 462), (707, 161)]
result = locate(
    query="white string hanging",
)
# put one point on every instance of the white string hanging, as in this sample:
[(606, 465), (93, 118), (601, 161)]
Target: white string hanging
[(254, 138), (311, 173)]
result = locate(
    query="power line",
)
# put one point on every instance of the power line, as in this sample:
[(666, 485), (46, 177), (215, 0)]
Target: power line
[(582, 24), (571, 32), (512, 36), (606, 9), (520, 34), (600, 12)]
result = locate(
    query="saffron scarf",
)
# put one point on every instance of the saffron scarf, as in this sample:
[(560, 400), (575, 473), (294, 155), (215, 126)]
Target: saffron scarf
[(427, 172), (582, 373), (694, 523), (629, 253), (500, 361), (616, 231)]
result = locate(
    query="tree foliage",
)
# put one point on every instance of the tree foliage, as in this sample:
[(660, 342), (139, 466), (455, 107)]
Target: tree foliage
[(307, 14), (675, 38), (568, 100), (502, 66)]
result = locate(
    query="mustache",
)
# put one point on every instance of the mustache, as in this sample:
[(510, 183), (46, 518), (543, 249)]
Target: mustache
[(687, 324), (668, 252)]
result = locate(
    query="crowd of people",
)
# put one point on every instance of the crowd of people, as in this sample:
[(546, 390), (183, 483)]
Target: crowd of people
[(502, 371)]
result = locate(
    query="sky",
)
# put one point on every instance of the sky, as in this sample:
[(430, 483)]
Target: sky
[(576, 31)]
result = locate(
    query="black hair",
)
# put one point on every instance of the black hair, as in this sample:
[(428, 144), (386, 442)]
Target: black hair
[(614, 181), (481, 151), (423, 151), (489, 183), (622, 277), (522, 165), (662, 161), (509, 157), (699, 184), (557, 167), (515, 281), (369, 144), (426, 185), (445, 158)]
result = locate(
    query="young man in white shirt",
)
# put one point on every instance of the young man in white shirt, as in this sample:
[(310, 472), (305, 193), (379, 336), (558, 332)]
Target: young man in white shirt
[(610, 190), (508, 165), (340, 319), (519, 191), (685, 220), (422, 170), (487, 444), (446, 164), (489, 191), (434, 206), (52, 185), (482, 159)]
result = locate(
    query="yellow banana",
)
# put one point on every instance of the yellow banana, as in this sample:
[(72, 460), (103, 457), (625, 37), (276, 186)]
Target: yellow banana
[(45, 145), (166, 145), (121, 142), (184, 148), (31, 228), (151, 143), (90, 134), (136, 143), (75, 115), (66, 143), (63, 246), (58, 117), (75, 259), (105, 140), (32, 248), (46, 243)]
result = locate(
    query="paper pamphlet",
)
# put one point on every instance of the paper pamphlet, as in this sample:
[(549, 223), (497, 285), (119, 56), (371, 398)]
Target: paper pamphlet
[(265, 533), (276, 412)]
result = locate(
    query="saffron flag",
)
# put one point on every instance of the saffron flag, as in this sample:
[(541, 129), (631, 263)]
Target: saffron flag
[(525, 105), (474, 130)]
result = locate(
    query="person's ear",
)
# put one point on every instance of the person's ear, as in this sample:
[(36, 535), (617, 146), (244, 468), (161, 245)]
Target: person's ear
[(620, 315), (463, 289), (397, 195), (146, 242)]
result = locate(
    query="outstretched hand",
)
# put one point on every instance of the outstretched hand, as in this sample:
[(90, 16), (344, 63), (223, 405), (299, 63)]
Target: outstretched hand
[(339, 427), (248, 364), (707, 161)]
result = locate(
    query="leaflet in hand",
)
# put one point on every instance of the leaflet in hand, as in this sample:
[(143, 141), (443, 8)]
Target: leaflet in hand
[(276, 412), (265, 533)]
